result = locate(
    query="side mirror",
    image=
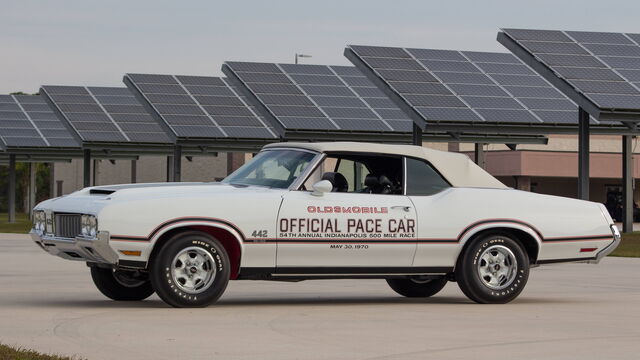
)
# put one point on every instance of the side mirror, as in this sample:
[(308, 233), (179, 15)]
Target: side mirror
[(321, 187)]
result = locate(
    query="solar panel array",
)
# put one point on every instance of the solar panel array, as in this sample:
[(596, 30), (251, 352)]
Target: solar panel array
[(105, 114), (199, 106), (28, 121), (604, 67), (319, 97), (453, 86)]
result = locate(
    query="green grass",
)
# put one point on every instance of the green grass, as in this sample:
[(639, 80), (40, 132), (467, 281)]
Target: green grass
[(629, 246), (12, 353), (21, 226)]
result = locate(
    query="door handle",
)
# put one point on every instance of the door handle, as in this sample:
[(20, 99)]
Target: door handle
[(402, 207)]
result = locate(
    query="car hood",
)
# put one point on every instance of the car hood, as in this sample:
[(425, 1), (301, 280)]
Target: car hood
[(92, 199)]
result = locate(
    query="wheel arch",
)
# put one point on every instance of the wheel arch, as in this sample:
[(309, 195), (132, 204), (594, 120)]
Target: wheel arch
[(230, 238), (529, 238)]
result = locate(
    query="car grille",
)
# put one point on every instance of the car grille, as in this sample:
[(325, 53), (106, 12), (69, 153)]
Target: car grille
[(67, 225)]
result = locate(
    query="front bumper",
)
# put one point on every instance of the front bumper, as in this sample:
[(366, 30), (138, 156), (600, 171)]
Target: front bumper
[(82, 249)]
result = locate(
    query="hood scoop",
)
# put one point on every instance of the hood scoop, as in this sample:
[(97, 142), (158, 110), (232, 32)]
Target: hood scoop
[(101, 191)]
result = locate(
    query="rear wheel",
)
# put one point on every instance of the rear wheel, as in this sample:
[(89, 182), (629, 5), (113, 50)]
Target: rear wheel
[(121, 285), (191, 270), (417, 287), (493, 270)]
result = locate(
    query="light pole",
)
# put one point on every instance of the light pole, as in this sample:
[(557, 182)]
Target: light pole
[(301, 56)]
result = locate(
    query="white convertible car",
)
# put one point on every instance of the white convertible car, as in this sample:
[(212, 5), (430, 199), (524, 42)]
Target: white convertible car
[(416, 217)]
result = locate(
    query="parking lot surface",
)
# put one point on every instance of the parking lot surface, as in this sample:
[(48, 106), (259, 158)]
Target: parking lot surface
[(571, 311)]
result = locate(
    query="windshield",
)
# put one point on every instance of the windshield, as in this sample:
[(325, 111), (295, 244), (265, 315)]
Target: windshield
[(272, 168)]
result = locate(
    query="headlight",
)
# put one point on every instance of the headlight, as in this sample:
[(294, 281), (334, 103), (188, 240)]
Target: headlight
[(39, 220), (89, 226)]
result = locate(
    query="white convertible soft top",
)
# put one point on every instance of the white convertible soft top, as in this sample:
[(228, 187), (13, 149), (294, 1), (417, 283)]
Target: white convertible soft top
[(457, 168)]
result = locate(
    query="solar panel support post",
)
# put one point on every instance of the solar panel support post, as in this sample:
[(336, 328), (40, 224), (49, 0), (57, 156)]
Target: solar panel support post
[(96, 164), (52, 179), (417, 135), (627, 183), (32, 188), (169, 168), (583, 154), (134, 171), (234, 161), (86, 167), (12, 190), (479, 157), (177, 163)]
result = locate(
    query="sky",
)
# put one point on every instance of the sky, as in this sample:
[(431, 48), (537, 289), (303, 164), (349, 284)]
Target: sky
[(93, 43)]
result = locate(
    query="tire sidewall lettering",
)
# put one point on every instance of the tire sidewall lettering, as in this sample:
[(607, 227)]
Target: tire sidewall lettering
[(522, 273), (211, 249)]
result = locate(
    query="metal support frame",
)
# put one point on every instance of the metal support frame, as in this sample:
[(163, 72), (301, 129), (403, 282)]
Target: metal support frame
[(12, 190), (234, 161), (417, 135), (169, 168), (583, 154), (96, 164), (627, 183), (134, 171), (32, 187), (177, 163), (86, 168), (52, 179), (479, 156)]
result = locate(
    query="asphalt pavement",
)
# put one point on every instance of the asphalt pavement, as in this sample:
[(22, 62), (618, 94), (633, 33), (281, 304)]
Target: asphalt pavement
[(567, 311)]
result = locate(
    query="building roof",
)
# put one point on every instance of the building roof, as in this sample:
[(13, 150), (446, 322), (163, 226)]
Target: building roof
[(457, 168)]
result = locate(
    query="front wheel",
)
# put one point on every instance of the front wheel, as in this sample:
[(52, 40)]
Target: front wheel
[(121, 285), (416, 287), (493, 270), (191, 270)]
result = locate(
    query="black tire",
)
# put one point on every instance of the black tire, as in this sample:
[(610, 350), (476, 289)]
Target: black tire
[(476, 286), (417, 289), (171, 289), (120, 285)]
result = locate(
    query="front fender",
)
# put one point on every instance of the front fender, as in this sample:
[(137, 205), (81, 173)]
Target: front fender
[(146, 244)]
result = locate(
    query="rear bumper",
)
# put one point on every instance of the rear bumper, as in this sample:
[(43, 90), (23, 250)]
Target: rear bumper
[(82, 249), (607, 250)]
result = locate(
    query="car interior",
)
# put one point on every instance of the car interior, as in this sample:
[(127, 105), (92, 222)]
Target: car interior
[(354, 173)]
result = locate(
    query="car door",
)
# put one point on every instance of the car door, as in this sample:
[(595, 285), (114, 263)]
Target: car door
[(428, 190), (345, 231)]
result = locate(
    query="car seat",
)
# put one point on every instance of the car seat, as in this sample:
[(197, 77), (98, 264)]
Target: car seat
[(338, 181), (385, 185), (370, 184)]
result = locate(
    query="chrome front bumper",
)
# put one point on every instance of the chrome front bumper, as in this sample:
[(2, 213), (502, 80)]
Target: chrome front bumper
[(82, 249)]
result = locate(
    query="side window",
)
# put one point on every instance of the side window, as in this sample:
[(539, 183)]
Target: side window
[(328, 164), (356, 173), (422, 179)]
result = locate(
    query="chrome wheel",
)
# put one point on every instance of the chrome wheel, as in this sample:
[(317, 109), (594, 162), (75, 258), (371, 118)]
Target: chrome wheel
[(497, 267), (193, 270)]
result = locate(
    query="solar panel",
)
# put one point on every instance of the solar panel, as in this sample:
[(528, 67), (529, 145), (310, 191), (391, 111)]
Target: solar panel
[(450, 86), (335, 99), (104, 115), (199, 107), (27, 121), (601, 68)]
